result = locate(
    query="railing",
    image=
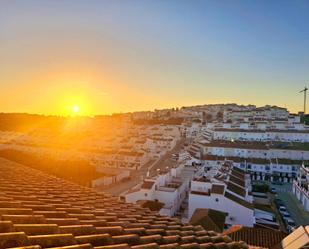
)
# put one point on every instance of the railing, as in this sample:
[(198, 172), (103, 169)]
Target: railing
[(302, 189)]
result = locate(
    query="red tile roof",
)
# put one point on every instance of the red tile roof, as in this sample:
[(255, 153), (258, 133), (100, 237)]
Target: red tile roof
[(43, 211), (256, 236)]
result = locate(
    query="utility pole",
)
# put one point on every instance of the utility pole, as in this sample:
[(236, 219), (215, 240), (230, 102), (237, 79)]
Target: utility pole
[(305, 98)]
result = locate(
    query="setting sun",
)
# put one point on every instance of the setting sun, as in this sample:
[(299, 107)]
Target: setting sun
[(75, 108)]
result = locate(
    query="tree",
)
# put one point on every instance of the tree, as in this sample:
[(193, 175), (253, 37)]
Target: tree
[(219, 115)]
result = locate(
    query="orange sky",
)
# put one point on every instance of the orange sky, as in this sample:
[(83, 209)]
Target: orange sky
[(108, 57)]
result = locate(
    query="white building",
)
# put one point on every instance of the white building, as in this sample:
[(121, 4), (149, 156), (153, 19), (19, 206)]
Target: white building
[(226, 189), (259, 113), (291, 123), (170, 188), (204, 136), (261, 135), (281, 170), (190, 130), (295, 151), (301, 187)]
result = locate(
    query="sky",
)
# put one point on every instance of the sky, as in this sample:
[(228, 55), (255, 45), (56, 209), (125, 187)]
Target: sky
[(128, 55)]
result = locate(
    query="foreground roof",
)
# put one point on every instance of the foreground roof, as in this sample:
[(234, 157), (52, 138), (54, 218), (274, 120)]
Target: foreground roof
[(210, 219), (41, 211), (263, 237)]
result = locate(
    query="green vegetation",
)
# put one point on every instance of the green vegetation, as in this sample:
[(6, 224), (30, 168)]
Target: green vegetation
[(262, 188), (300, 146), (305, 119), (291, 146), (289, 161), (169, 121)]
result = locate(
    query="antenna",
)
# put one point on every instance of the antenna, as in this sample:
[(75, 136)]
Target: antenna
[(305, 96)]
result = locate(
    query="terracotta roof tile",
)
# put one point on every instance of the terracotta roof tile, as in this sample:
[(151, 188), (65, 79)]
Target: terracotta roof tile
[(256, 236), (40, 210)]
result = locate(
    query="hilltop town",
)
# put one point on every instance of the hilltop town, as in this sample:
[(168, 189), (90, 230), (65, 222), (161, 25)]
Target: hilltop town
[(236, 170)]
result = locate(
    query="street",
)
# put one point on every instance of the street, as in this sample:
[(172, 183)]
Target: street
[(138, 175), (299, 215)]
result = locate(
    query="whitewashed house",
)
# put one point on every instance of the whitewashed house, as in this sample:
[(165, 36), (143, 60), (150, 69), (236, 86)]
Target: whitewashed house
[(301, 186), (168, 187), (227, 191)]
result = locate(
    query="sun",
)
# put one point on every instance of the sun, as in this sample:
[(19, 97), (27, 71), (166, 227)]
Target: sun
[(75, 109)]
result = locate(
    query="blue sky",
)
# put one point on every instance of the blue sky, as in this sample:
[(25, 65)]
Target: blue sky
[(143, 55)]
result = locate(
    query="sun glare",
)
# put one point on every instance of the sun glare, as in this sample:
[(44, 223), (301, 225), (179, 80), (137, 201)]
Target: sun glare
[(75, 108)]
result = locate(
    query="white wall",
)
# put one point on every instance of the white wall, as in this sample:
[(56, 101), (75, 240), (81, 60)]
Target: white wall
[(257, 153), (241, 215), (261, 136)]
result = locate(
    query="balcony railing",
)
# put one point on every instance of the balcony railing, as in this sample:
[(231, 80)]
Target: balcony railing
[(302, 189)]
